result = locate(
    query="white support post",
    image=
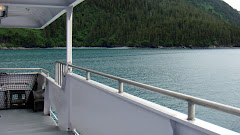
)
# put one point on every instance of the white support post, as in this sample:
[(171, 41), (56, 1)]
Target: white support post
[(64, 118), (69, 13)]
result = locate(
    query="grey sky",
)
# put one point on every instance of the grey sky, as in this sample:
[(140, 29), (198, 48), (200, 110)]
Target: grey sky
[(234, 3)]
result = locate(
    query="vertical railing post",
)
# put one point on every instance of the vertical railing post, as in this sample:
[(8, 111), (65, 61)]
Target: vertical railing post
[(61, 74), (87, 75), (191, 111), (65, 68), (56, 72), (59, 81), (120, 87)]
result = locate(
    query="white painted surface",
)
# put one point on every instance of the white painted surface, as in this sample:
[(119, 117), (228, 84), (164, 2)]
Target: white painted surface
[(57, 98), (29, 17), (96, 109), (38, 2), (69, 17), (34, 13)]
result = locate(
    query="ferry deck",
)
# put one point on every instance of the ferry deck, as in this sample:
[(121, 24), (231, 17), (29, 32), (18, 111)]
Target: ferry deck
[(35, 101)]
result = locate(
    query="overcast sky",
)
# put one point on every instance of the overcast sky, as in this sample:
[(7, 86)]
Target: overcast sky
[(234, 3)]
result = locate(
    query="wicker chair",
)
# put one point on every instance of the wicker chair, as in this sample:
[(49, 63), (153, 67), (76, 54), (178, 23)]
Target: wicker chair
[(38, 95)]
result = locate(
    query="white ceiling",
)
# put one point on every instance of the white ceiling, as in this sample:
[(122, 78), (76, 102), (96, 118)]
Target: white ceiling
[(34, 13)]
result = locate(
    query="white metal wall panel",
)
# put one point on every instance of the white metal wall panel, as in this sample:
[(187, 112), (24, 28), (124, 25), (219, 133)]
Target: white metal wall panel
[(93, 108)]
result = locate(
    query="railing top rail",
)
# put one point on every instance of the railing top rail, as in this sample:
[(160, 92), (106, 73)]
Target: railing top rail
[(20, 68), (15, 83), (47, 72), (191, 99), (28, 69), (96, 72)]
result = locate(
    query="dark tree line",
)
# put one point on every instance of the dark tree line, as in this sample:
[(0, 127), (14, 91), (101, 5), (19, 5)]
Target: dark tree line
[(138, 23)]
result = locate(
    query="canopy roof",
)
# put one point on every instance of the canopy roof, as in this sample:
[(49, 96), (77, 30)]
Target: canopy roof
[(34, 13)]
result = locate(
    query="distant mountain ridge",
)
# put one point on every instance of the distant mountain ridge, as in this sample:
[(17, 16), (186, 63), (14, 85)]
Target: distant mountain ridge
[(138, 23), (220, 9)]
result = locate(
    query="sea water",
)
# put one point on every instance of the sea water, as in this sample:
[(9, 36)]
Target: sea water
[(209, 74)]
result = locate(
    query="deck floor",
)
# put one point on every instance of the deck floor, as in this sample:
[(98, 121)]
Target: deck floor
[(27, 122)]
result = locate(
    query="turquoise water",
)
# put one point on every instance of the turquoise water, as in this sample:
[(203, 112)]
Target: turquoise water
[(208, 74)]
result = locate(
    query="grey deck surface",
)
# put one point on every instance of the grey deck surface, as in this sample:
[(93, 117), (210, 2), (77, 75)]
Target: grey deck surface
[(27, 122)]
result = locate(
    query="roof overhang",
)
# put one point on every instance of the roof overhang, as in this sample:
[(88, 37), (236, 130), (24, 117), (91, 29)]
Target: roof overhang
[(35, 14)]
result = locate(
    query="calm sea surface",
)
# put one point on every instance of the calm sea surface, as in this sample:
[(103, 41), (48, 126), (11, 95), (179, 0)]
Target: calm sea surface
[(208, 74)]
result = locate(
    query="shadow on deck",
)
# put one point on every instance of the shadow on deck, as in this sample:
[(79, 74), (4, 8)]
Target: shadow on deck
[(26, 122)]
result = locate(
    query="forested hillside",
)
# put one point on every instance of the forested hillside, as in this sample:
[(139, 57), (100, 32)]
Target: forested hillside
[(138, 23), (219, 9)]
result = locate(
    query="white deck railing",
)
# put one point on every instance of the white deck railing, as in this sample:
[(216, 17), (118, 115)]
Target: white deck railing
[(61, 68), (28, 69)]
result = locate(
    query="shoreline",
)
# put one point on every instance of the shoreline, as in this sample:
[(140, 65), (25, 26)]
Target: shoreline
[(34, 48)]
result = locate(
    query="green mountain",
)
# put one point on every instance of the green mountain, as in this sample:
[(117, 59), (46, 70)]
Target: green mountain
[(219, 9), (138, 23)]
